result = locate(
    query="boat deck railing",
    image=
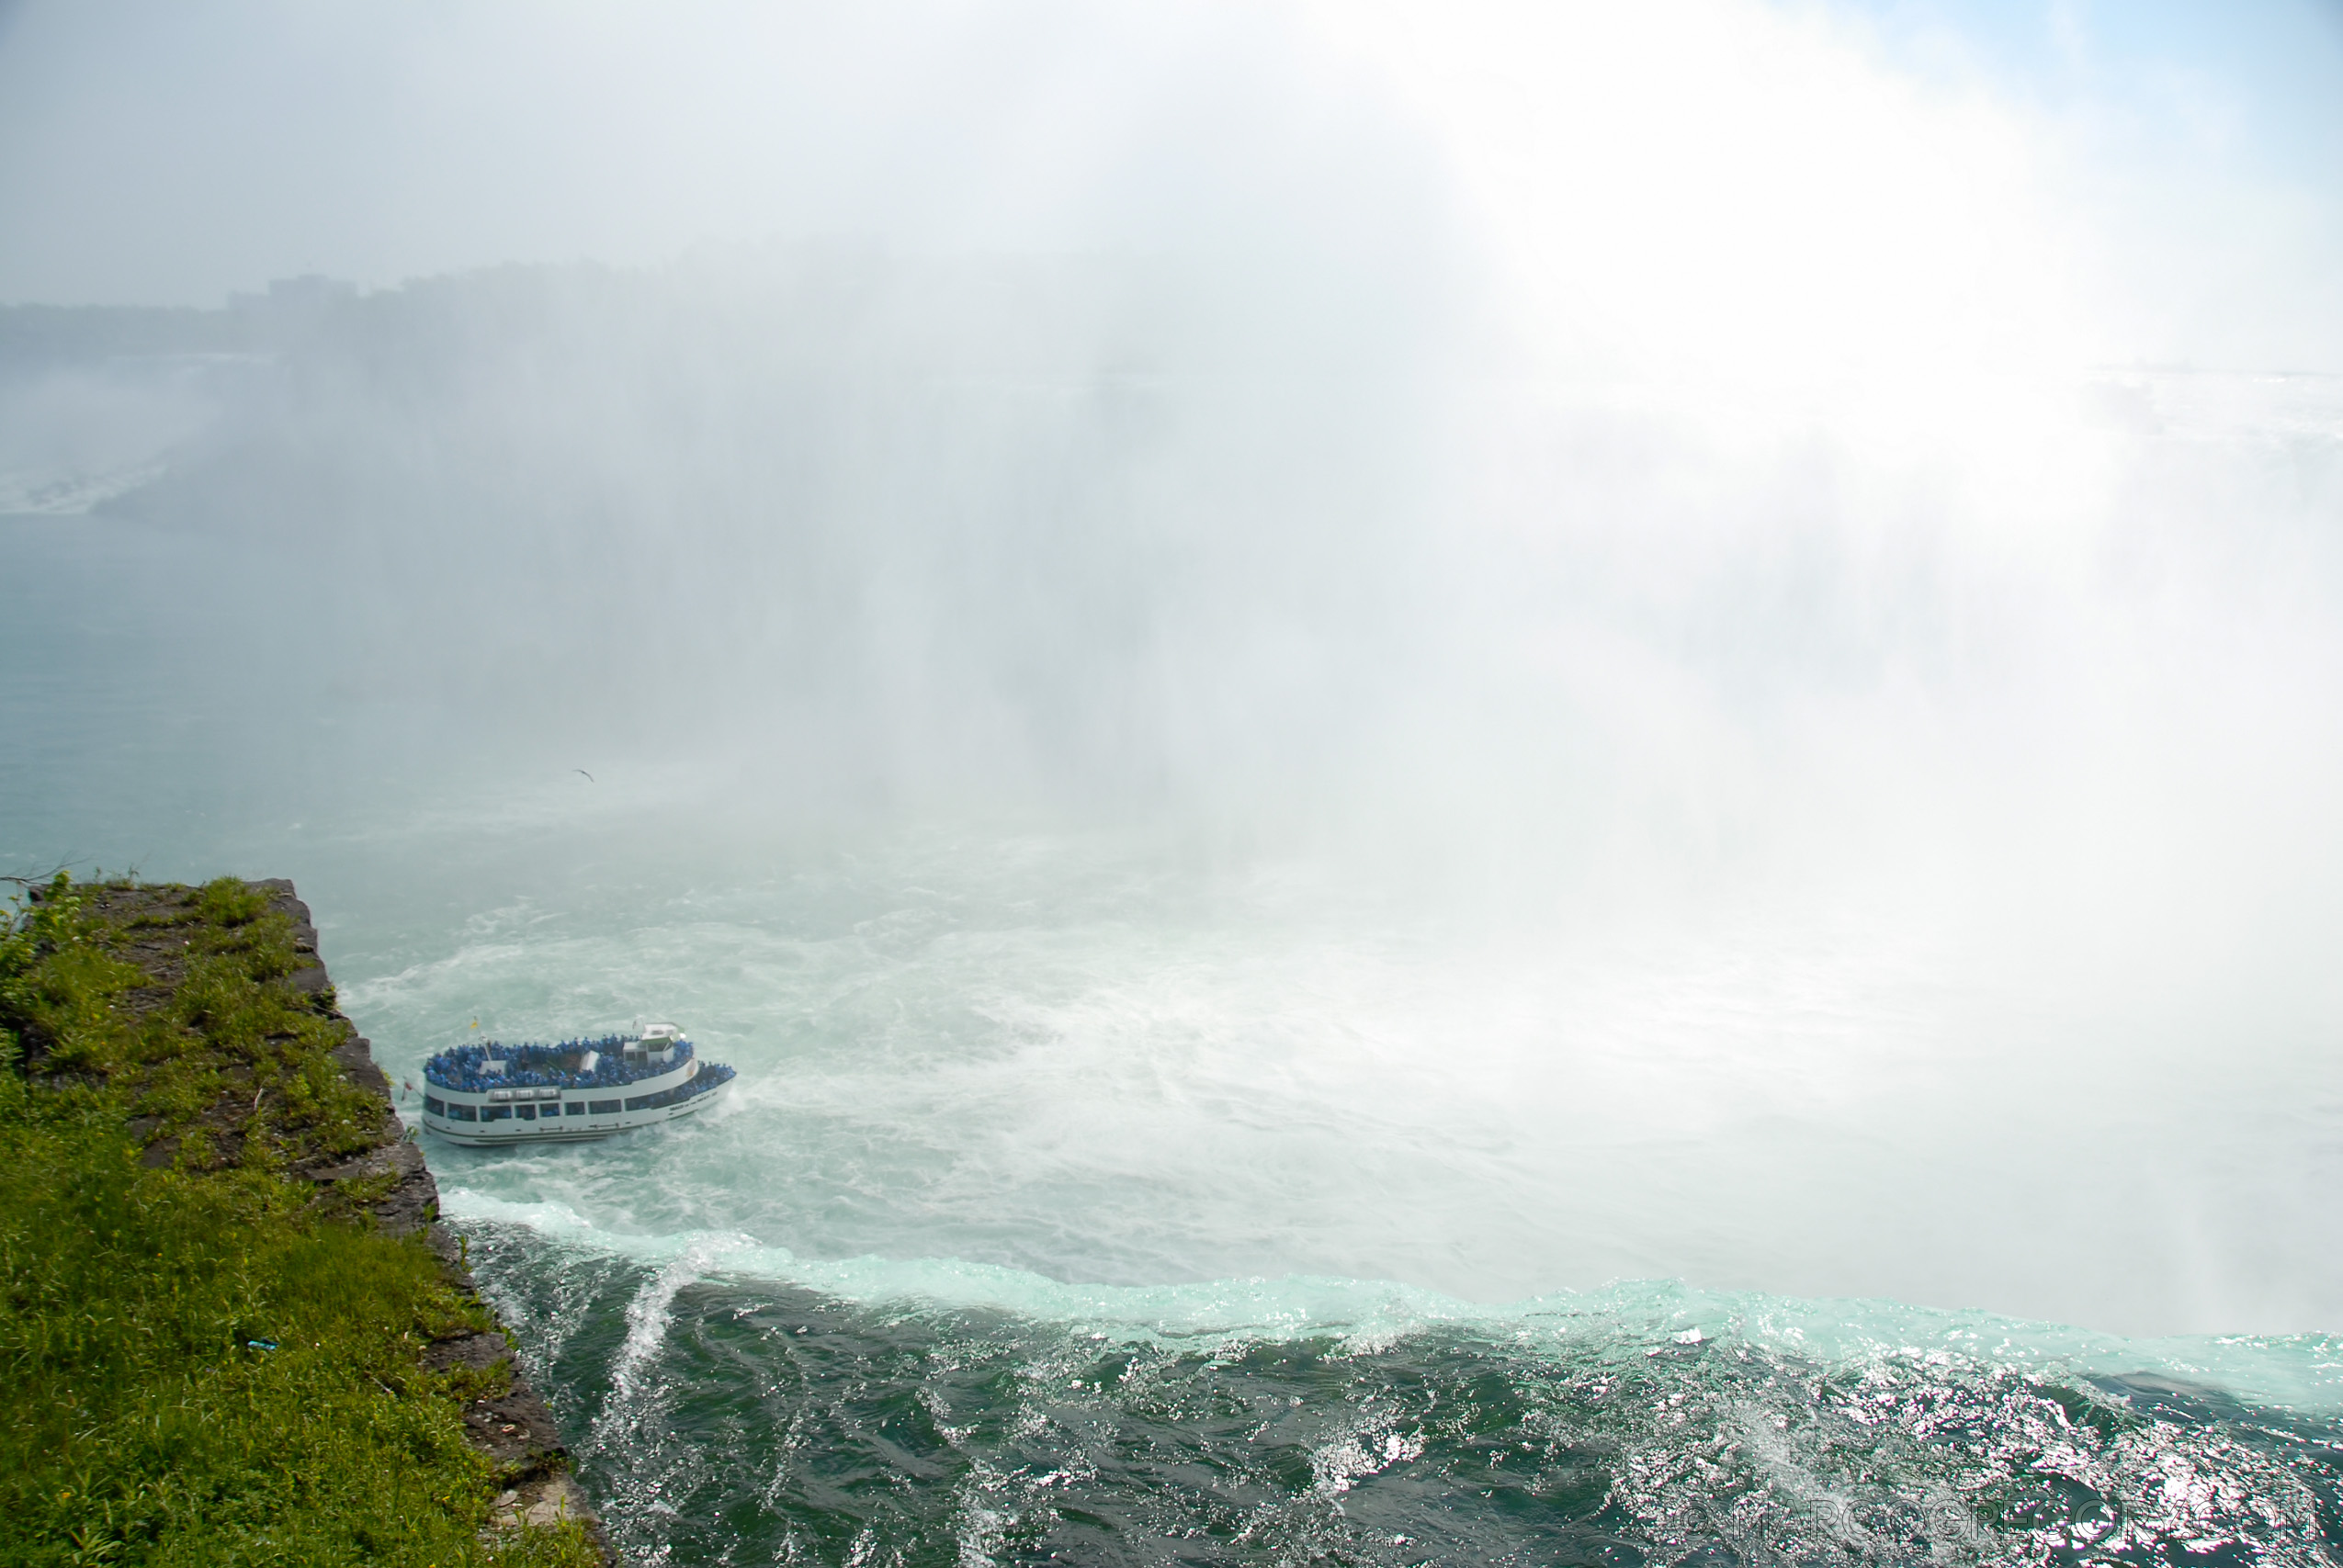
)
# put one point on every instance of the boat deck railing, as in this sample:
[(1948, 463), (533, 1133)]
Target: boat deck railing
[(464, 1069)]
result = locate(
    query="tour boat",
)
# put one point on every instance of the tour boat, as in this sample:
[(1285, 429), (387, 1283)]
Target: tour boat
[(494, 1093)]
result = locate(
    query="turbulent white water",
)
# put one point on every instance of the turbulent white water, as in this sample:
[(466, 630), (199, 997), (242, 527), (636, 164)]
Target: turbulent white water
[(1062, 1058)]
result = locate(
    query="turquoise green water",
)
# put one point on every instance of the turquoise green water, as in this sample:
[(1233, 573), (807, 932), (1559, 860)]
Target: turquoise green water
[(737, 1419)]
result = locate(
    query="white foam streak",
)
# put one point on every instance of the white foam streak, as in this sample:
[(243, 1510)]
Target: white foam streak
[(650, 1313)]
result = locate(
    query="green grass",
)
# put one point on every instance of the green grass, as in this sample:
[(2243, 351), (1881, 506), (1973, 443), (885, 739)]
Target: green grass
[(146, 1421), (184, 1053)]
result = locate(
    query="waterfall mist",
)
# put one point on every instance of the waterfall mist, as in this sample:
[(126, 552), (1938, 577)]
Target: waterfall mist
[(1733, 724)]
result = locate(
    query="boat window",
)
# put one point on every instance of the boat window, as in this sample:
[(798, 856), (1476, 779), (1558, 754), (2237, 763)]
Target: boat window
[(603, 1107), (463, 1113), (528, 1113), (436, 1105), (497, 1113), (577, 1108)]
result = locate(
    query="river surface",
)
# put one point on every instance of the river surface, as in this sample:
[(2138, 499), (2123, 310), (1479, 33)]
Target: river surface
[(1093, 1190)]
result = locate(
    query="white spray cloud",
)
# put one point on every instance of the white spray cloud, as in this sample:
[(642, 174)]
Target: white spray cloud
[(1606, 464)]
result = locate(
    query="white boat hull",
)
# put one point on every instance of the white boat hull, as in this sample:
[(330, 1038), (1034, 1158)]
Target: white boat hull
[(566, 1130)]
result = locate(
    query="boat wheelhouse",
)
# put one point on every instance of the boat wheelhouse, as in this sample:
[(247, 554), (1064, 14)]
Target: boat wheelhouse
[(495, 1093)]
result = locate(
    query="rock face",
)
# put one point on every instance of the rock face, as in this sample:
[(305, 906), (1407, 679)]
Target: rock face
[(514, 1428)]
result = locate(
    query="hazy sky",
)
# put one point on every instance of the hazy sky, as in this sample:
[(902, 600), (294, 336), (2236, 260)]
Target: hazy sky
[(152, 151)]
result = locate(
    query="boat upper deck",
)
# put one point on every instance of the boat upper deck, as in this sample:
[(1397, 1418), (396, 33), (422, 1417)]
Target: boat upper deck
[(611, 1062)]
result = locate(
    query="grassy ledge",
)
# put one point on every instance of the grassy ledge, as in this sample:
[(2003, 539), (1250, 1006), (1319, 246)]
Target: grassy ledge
[(227, 1336)]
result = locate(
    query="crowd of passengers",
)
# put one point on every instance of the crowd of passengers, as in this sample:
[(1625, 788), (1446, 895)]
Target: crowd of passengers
[(463, 1068)]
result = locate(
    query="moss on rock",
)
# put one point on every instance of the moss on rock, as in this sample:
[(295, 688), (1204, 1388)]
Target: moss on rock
[(217, 1351)]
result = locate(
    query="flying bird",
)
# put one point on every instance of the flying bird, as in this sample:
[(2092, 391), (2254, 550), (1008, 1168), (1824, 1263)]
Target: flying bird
[(589, 777)]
